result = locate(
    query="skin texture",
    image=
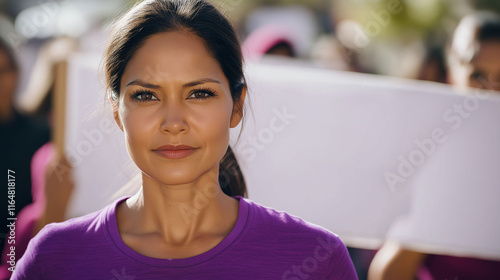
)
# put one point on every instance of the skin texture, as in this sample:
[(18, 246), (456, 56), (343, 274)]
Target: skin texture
[(8, 83), (483, 71), (180, 210)]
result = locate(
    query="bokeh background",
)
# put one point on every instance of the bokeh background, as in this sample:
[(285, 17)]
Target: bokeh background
[(406, 39)]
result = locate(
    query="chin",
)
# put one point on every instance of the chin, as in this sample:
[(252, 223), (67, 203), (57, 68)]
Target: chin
[(173, 178)]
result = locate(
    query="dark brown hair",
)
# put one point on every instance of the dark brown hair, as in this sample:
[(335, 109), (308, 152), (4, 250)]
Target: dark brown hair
[(478, 27), (201, 19)]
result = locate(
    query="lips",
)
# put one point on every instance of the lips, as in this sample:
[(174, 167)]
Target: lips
[(174, 148), (175, 151)]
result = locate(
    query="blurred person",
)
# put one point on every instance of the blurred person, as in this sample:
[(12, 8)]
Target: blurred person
[(50, 173), (433, 66), (52, 186), (176, 126), (474, 62), (295, 27), (269, 40), (474, 53), (20, 137), (347, 32), (327, 51)]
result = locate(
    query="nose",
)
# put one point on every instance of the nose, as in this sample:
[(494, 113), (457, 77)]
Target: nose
[(174, 119)]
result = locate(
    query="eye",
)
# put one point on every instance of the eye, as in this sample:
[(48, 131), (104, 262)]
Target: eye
[(202, 93), (478, 75), (143, 96)]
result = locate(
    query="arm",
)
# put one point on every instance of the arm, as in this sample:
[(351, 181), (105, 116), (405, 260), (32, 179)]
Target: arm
[(394, 262), (58, 189)]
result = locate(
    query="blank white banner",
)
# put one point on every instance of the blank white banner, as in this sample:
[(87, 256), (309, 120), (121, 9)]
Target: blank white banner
[(367, 157)]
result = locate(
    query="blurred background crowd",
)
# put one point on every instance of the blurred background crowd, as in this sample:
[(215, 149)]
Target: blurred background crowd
[(444, 41)]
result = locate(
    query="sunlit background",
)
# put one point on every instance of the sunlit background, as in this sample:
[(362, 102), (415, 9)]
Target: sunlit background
[(381, 40), (381, 37)]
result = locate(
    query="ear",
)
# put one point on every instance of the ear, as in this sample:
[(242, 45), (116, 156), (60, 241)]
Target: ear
[(116, 114), (237, 114)]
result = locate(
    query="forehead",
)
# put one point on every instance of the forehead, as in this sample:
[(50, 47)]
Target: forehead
[(488, 54), (172, 56)]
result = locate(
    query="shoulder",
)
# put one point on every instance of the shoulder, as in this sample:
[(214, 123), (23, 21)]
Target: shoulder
[(58, 243), (305, 241), (80, 231), (61, 248), (71, 229), (280, 220), (66, 236), (58, 239), (289, 229)]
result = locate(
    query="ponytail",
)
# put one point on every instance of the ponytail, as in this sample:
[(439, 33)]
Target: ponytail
[(231, 178)]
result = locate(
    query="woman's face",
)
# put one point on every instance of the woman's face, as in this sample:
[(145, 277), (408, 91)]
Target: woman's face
[(483, 71), (174, 92)]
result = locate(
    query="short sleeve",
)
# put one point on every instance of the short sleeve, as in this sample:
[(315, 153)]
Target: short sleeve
[(27, 268), (341, 266)]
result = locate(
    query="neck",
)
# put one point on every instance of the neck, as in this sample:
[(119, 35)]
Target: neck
[(181, 213)]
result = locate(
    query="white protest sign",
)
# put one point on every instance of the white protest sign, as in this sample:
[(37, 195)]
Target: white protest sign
[(367, 157)]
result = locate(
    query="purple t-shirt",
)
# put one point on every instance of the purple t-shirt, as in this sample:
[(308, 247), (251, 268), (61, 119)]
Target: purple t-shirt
[(264, 244)]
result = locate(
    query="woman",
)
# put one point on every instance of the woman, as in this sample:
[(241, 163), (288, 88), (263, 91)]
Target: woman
[(176, 121)]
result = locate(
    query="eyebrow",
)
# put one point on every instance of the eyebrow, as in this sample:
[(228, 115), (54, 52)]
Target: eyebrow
[(141, 83)]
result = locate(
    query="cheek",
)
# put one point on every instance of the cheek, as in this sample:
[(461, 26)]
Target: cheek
[(215, 121), (212, 125), (138, 127)]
